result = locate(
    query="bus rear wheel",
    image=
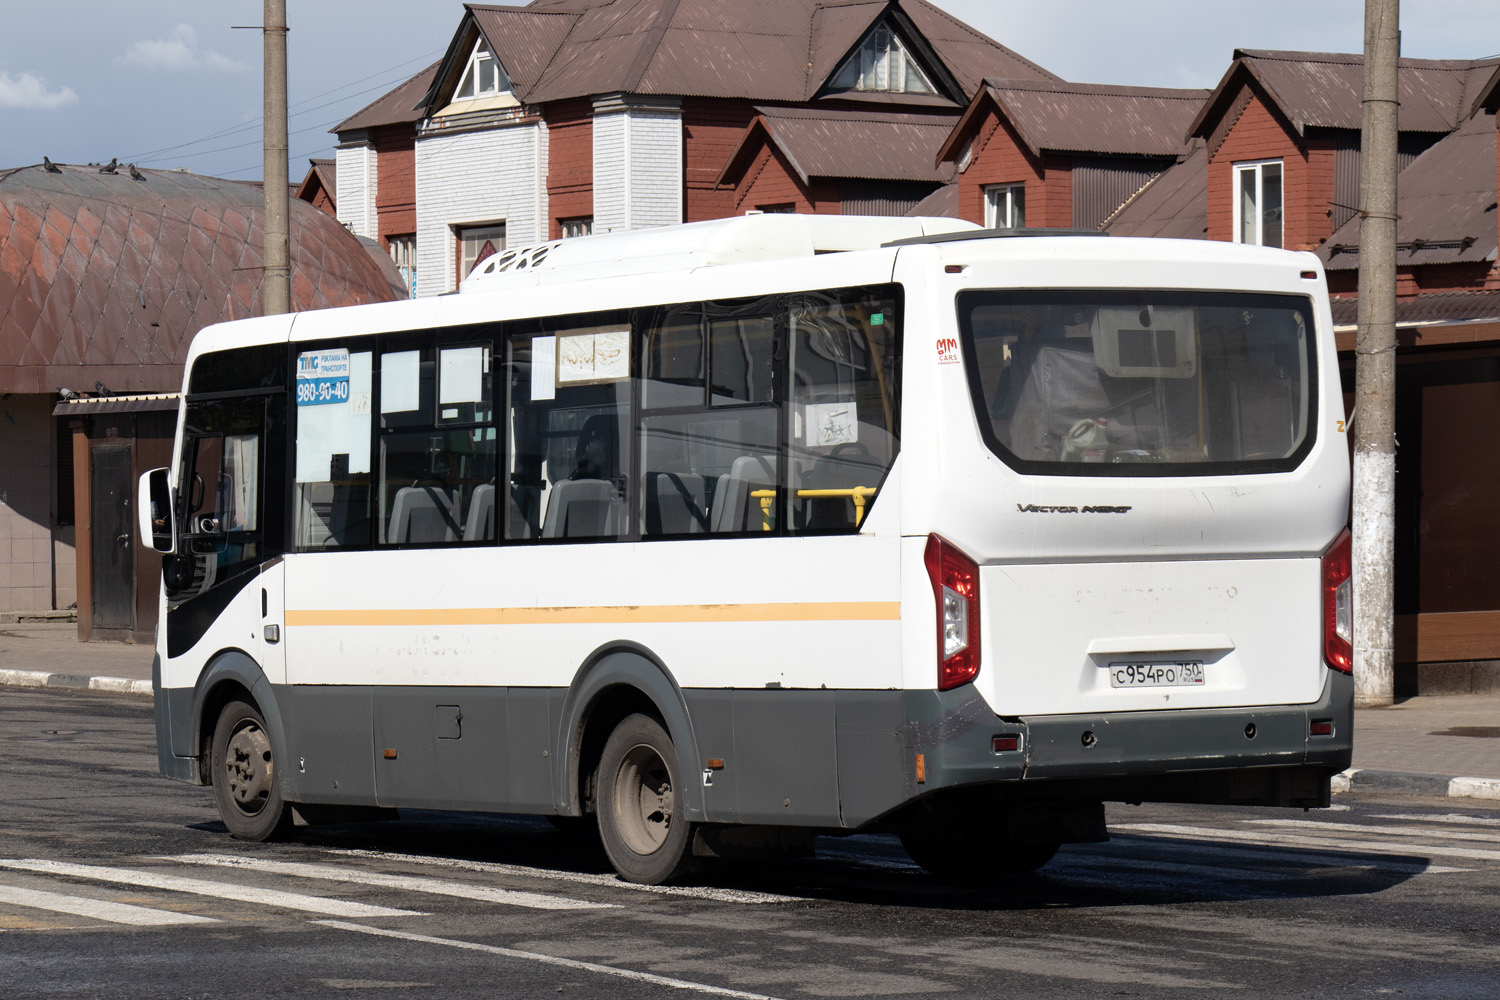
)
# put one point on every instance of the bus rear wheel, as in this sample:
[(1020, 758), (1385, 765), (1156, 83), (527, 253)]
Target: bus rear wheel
[(640, 819), (244, 776)]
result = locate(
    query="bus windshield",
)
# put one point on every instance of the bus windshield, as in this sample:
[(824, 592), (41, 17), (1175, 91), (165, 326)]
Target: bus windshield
[(1126, 382)]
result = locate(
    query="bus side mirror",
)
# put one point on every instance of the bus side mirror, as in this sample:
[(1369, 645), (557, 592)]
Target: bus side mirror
[(158, 517)]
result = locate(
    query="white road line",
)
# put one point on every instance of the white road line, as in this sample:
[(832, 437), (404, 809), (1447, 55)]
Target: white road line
[(1457, 819), (220, 890), (1302, 858), (1311, 826), (583, 878), (1257, 836), (410, 883), (567, 963), (97, 909)]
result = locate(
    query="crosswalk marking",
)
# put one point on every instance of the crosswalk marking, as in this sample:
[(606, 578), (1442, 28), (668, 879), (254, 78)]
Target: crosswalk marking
[(1487, 837), (1260, 836), (1457, 819), (584, 878), (566, 963), (98, 909), (411, 883), (221, 890)]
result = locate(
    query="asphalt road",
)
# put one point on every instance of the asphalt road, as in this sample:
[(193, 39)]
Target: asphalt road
[(115, 882)]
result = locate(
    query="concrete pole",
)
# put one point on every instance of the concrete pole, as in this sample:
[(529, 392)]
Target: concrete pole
[(1375, 366), (276, 279)]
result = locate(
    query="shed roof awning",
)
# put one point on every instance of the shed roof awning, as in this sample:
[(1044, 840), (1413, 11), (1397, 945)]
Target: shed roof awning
[(142, 403)]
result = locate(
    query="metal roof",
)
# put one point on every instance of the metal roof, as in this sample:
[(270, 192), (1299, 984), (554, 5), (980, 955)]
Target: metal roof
[(941, 204), (1174, 204), (392, 108), (765, 50), (1084, 117), (1324, 89), (106, 278), (1428, 308), (1446, 204), (874, 145)]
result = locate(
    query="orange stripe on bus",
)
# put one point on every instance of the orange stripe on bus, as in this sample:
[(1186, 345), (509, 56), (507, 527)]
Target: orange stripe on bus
[(624, 614)]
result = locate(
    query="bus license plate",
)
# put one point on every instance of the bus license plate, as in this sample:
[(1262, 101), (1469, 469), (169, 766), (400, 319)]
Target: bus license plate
[(1124, 675)]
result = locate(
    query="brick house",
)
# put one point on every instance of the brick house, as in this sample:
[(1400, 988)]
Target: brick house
[(571, 116), (1060, 155)]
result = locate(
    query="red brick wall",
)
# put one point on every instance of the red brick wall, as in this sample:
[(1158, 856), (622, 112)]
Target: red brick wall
[(770, 180), (711, 129), (1306, 176), (570, 161), (1000, 157), (396, 181)]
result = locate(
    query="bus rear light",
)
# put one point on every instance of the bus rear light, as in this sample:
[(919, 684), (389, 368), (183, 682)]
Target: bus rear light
[(955, 587), (1004, 744), (1338, 604), (1321, 727)]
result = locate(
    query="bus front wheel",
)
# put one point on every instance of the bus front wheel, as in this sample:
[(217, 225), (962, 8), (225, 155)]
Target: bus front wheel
[(244, 776), (640, 820)]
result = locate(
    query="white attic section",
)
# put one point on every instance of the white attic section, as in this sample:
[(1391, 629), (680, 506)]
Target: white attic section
[(483, 86), (882, 63)]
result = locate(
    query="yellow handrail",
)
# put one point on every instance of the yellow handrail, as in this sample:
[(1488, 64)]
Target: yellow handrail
[(859, 494)]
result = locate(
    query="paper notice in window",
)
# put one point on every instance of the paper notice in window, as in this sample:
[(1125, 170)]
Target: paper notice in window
[(597, 355), (829, 424)]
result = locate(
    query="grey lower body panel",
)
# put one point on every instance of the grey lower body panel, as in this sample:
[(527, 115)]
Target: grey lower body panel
[(833, 759)]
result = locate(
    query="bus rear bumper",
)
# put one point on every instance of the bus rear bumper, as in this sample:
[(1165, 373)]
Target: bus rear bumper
[(1263, 755)]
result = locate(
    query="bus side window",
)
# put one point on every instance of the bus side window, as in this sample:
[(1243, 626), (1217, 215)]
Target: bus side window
[(844, 420), (706, 447), (332, 483), (568, 413)]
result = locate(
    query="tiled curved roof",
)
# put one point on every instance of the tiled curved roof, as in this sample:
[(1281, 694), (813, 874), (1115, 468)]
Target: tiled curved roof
[(106, 278)]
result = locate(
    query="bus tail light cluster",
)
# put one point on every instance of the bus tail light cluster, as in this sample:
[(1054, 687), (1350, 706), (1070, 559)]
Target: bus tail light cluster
[(1338, 604), (955, 585)]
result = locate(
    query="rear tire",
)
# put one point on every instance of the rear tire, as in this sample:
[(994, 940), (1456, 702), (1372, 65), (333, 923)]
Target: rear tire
[(245, 779), (640, 806)]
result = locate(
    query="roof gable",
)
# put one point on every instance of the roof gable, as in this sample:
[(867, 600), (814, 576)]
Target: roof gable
[(865, 145), (1082, 117), (1324, 89)]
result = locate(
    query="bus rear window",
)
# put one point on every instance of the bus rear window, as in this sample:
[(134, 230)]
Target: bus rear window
[(1141, 382)]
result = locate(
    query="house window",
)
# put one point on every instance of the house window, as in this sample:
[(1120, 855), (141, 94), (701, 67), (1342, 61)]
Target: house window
[(785, 208), (582, 226), (1257, 203), (882, 63), (477, 244), (483, 76), (404, 253), (1005, 206)]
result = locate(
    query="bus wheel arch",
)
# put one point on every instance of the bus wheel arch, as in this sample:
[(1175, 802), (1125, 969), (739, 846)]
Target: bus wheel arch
[(232, 675), (616, 682)]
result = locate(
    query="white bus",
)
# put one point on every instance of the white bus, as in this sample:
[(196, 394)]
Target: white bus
[(740, 532)]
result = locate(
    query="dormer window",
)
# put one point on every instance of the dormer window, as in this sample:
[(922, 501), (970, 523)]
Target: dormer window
[(483, 76), (881, 63)]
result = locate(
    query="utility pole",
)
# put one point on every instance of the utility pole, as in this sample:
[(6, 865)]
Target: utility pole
[(1375, 366), (276, 278)]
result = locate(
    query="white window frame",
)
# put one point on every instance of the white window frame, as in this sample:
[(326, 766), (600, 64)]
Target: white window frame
[(582, 225), (479, 232), (404, 253), (882, 64), (469, 87), (1005, 206), (1258, 169)]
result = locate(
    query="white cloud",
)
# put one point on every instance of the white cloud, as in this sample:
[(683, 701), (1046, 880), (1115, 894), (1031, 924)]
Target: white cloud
[(178, 51), (25, 90)]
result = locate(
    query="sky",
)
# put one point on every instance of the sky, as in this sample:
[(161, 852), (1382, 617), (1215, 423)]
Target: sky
[(177, 83)]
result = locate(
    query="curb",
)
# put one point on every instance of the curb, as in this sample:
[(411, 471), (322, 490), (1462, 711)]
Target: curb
[(73, 682), (1357, 781)]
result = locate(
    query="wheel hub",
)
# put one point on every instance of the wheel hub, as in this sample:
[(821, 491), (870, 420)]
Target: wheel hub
[(247, 761), (644, 800)]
